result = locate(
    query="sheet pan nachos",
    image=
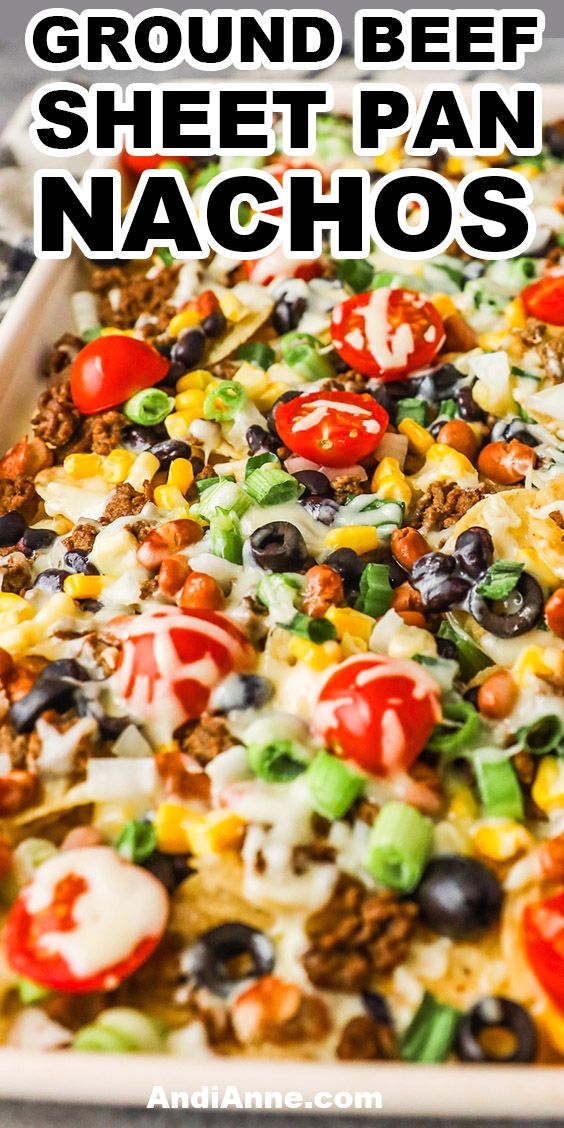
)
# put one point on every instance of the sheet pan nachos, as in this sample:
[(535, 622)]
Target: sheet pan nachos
[(282, 657)]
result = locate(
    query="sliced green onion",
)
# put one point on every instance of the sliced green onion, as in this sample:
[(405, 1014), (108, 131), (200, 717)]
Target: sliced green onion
[(206, 175), (543, 735), (224, 400), (136, 841), (165, 256), (499, 788), (447, 409), (290, 340), (96, 1039), (270, 485), (308, 363), (277, 762), (225, 495), (148, 407), (356, 273), (412, 408), (500, 579), (458, 730), (375, 596), (399, 845), (30, 992), (515, 371), (226, 539), (278, 592), (258, 460), (383, 278), (204, 484), (560, 238), (256, 353), (315, 630), (334, 786), (91, 334), (470, 658), (431, 1032)]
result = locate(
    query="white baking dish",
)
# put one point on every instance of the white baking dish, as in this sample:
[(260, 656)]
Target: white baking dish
[(40, 312)]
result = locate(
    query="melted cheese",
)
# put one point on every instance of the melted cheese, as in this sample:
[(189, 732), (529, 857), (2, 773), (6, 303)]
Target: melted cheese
[(121, 906)]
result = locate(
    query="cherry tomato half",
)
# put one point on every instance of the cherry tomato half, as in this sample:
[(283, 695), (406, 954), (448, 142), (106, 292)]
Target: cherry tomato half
[(387, 333), (543, 935), (39, 931), (138, 164), (172, 659), (545, 299), (109, 370), (378, 711), (331, 428), (264, 270)]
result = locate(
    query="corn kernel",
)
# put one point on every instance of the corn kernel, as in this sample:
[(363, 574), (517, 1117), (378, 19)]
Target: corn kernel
[(527, 170), (390, 483), (552, 1022), (13, 609), (199, 378), (515, 314), (318, 655), (143, 470), (390, 160), (191, 403), (409, 641), (177, 427), (116, 465), (79, 586), (184, 320), (231, 307), (352, 644), (82, 465), (448, 463), (361, 538), (169, 497), (169, 827), (111, 331), (548, 788), (348, 621), (454, 166), (180, 474), (463, 804), (212, 833), (419, 439), (266, 399), (443, 304), (492, 342), (254, 380), (536, 662), (500, 840)]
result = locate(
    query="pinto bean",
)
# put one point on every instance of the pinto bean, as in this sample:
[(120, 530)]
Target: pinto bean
[(166, 540), (554, 613), (323, 587), (408, 546), (406, 598), (497, 695), (460, 436), (506, 463), (172, 574), (18, 790), (201, 592)]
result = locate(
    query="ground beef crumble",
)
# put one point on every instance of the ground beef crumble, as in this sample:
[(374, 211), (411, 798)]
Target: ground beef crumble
[(138, 295), (15, 573), (551, 352), (365, 1040), (124, 501), (204, 739), (56, 419), (356, 935), (81, 538), (64, 352), (443, 504), (18, 493), (346, 486)]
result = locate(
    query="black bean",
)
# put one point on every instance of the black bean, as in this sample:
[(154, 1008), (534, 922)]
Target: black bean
[(170, 869), (215, 324), (47, 693), (257, 439), (376, 1006), (458, 896), (52, 579), (445, 380), (314, 482), (515, 429), (503, 1014), (12, 529), (446, 648), (287, 314), (64, 668), (164, 348), (349, 565), (189, 347), (467, 407), (34, 540), (278, 547), (215, 950), (323, 509), (397, 574), (436, 578), (140, 438), (77, 561), (168, 449), (515, 615), (474, 551)]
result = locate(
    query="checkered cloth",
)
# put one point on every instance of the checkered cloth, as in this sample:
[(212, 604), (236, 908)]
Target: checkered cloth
[(16, 241)]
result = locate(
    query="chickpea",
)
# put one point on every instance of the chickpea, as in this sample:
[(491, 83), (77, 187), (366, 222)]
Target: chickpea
[(460, 436), (554, 612), (407, 546), (201, 592), (497, 695), (506, 463)]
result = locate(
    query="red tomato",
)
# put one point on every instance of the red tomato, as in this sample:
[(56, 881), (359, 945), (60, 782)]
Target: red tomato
[(35, 937), (138, 164), (109, 370), (387, 333), (331, 428), (172, 659), (543, 935), (545, 299), (378, 711), (276, 265)]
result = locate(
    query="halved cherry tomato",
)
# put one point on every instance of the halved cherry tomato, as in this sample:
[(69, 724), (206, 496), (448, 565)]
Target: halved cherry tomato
[(108, 370), (40, 926), (543, 936), (138, 164), (378, 711), (262, 271), (331, 428), (545, 299), (172, 659), (387, 333)]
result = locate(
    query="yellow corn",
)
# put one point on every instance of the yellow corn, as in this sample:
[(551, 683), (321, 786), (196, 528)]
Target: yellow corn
[(463, 804), (347, 621), (169, 827), (390, 483), (13, 610), (180, 474), (199, 378), (254, 380), (444, 304), (419, 439), (552, 1022), (454, 166), (79, 586), (352, 644), (177, 426), (500, 840), (548, 788), (492, 342), (390, 160), (184, 320), (231, 307), (536, 662), (191, 404), (526, 170), (82, 465), (361, 538), (143, 470), (515, 314), (448, 462), (169, 497), (212, 833), (111, 331), (116, 465), (409, 641), (265, 400), (318, 655)]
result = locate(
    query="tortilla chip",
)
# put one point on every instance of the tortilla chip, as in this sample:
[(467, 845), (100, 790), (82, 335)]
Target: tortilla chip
[(213, 896), (258, 306)]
